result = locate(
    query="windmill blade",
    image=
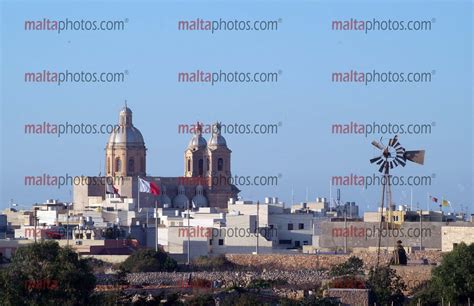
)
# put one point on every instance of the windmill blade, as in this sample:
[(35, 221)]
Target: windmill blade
[(373, 160), (382, 166), (392, 142), (378, 145), (400, 160), (417, 156)]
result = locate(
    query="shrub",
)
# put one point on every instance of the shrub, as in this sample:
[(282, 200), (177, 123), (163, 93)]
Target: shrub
[(353, 266), (216, 263), (146, 260)]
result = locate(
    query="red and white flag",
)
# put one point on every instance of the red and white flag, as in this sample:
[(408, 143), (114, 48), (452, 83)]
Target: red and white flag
[(111, 189), (149, 187)]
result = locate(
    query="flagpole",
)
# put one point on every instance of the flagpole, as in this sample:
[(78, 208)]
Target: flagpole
[(292, 195), (428, 201), (330, 193), (156, 225), (441, 208), (138, 193)]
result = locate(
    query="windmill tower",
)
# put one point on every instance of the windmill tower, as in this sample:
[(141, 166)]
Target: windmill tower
[(391, 156)]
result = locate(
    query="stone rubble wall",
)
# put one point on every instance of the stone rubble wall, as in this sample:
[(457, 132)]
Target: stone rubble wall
[(298, 262)]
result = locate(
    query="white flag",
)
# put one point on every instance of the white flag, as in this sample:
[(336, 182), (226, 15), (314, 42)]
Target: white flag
[(144, 185)]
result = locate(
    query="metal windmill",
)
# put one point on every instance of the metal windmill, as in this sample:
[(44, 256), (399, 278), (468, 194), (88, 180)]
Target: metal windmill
[(392, 155)]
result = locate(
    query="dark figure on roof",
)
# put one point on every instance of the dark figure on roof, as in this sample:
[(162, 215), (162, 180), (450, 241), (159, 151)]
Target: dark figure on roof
[(399, 255)]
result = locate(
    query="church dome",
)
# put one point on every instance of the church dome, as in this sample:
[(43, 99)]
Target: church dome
[(181, 200), (217, 139), (197, 142), (126, 110), (199, 200), (125, 133), (163, 198)]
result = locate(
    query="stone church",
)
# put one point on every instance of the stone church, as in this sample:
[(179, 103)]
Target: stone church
[(207, 171)]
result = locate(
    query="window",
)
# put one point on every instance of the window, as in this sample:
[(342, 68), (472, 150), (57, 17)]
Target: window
[(301, 226), (285, 241), (118, 164), (305, 242), (210, 241), (220, 164), (208, 166), (297, 244), (189, 165), (221, 241), (290, 226), (201, 167), (131, 165), (108, 165)]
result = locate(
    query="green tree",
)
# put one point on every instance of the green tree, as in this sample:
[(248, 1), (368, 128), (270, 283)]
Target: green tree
[(453, 280), (353, 266), (46, 274), (317, 300), (386, 286), (112, 233), (146, 260), (243, 299), (202, 300)]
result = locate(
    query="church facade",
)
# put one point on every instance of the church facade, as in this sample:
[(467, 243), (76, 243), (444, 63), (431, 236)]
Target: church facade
[(206, 181)]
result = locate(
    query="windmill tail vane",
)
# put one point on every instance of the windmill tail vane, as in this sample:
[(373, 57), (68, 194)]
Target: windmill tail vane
[(394, 155)]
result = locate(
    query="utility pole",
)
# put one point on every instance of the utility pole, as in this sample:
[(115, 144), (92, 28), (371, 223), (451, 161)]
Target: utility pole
[(345, 229), (189, 236), (36, 220), (421, 229), (67, 226), (257, 224)]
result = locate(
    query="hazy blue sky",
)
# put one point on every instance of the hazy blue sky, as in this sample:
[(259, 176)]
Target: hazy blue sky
[(304, 153)]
